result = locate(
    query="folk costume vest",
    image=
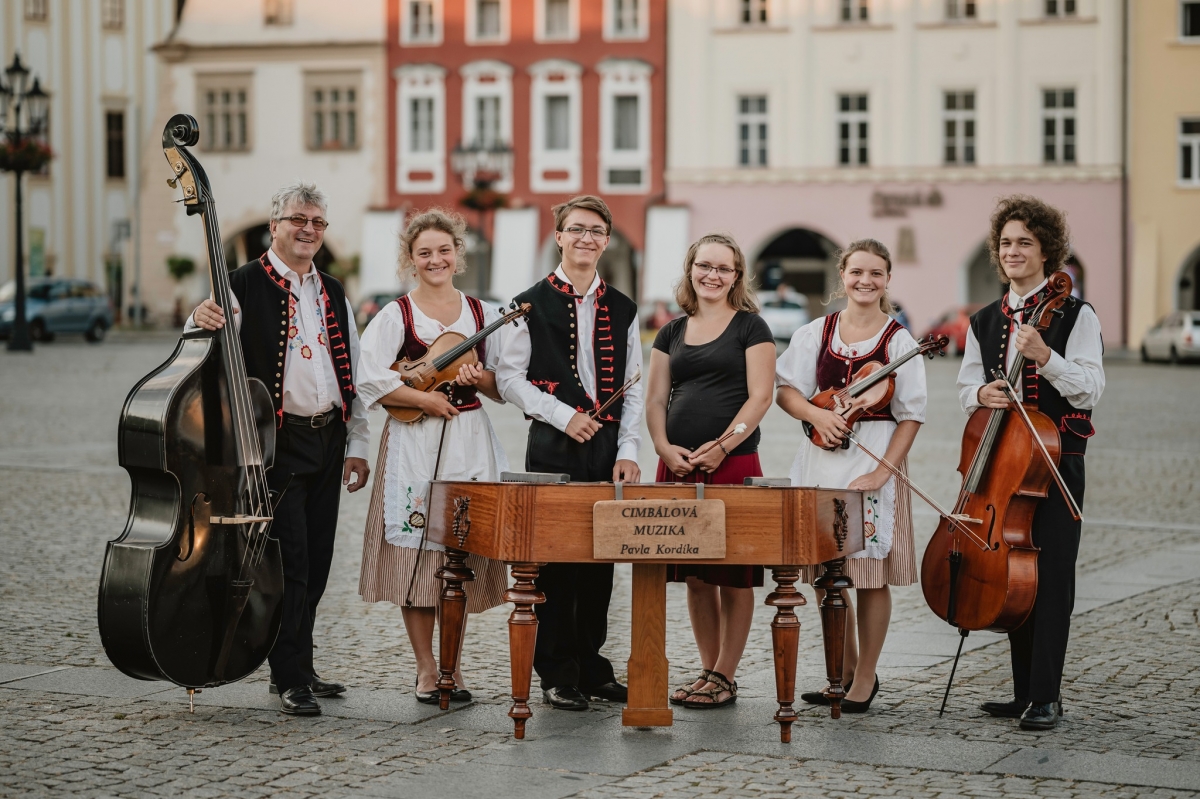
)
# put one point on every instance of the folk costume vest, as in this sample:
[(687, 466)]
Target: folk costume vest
[(836, 371), (552, 334), (992, 326), (267, 307), (464, 398)]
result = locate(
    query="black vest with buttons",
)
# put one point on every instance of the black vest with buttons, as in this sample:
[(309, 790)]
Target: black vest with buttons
[(552, 334), (991, 326), (264, 296)]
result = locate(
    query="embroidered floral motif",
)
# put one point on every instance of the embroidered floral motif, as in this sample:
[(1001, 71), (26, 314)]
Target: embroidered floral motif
[(321, 339), (293, 331), (306, 351), (549, 385), (417, 520)]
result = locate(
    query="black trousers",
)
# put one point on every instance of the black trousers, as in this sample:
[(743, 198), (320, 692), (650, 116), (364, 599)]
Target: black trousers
[(309, 462), (1039, 646), (573, 621)]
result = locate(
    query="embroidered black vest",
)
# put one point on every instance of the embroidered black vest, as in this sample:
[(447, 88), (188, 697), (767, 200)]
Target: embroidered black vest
[(552, 334), (992, 326), (266, 300), (835, 371), (464, 398)]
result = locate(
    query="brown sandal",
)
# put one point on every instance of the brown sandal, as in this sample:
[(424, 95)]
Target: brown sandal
[(687, 688), (721, 684)]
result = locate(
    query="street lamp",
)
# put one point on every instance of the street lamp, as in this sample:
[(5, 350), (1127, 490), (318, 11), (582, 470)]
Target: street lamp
[(23, 116), (479, 166)]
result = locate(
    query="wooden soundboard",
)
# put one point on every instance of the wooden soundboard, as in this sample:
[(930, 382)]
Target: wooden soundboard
[(529, 524)]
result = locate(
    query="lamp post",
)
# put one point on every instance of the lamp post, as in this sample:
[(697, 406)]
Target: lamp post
[(479, 166), (23, 110)]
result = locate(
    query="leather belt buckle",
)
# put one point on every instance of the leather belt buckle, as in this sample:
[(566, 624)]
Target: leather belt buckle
[(318, 420)]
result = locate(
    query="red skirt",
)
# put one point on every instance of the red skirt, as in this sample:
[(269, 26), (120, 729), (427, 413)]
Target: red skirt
[(732, 471)]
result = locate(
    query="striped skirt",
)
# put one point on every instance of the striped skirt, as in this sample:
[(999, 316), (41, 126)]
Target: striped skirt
[(900, 565), (399, 574)]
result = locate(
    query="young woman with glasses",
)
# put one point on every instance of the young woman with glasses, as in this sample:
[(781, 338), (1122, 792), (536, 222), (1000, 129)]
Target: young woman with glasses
[(710, 371)]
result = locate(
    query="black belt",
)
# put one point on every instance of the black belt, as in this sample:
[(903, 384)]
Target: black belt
[(316, 420)]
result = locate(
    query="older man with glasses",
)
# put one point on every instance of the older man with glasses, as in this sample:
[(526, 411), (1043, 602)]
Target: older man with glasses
[(298, 337)]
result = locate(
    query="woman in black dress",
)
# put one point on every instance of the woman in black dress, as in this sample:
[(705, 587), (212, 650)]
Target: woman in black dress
[(710, 371)]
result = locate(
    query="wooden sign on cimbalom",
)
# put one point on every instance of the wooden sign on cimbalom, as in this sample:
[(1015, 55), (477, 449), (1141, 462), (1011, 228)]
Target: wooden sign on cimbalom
[(531, 520)]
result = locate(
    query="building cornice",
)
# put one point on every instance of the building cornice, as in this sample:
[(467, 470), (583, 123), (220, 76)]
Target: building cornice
[(834, 175), (174, 51)]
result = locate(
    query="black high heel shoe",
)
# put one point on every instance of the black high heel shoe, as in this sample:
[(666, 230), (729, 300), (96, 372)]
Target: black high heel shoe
[(850, 706), (426, 697), (818, 697)]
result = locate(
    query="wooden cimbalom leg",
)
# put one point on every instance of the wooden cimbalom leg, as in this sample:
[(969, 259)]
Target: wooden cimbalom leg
[(785, 638), (522, 634), (453, 621), (833, 625)]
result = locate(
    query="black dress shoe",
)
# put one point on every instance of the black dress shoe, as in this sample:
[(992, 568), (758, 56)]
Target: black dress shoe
[(818, 697), (325, 688), (1041, 716), (460, 695), (1005, 710), (612, 691), (567, 698), (850, 706), (299, 701)]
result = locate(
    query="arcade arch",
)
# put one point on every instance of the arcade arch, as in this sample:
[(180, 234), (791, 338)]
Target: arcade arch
[(250, 243), (983, 282), (618, 265), (1187, 292), (803, 260)]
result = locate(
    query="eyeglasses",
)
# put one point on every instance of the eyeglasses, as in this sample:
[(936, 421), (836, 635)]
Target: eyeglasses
[(577, 232), (723, 271), (300, 220)]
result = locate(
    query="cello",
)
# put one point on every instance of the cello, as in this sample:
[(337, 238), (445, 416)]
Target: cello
[(979, 570), (191, 591)]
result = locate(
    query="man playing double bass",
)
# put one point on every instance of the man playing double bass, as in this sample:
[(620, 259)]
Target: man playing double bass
[(299, 338), (1064, 371)]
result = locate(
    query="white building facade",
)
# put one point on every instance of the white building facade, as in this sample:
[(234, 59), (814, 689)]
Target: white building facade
[(283, 90), (94, 59), (801, 126)]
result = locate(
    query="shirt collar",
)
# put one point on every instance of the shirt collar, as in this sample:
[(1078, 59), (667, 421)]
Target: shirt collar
[(562, 275), (1019, 302), (285, 271)]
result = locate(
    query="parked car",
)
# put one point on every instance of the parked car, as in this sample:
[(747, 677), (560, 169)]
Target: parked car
[(785, 316), (56, 305), (954, 325), (371, 306), (900, 316), (1175, 338)]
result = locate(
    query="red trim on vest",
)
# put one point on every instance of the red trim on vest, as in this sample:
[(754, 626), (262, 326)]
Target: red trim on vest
[(464, 398), (829, 362)]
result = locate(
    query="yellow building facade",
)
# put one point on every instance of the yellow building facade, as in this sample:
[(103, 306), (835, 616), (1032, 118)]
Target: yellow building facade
[(1164, 161)]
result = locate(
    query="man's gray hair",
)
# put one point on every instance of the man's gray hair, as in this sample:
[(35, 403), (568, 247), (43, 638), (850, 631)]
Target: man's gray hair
[(299, 193)]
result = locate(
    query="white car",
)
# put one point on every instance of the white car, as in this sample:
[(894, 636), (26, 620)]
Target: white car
[(785, 316), (1175, 338)]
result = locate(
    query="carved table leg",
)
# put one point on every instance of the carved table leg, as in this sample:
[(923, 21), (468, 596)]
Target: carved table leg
[(785, 638), (522, 634), (647, 665), (833, 629), (453, 621)]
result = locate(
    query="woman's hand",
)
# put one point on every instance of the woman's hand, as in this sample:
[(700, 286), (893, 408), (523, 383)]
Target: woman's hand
[(709, 459), (438, 404), (469, 374), (871, 481), (676, 459), (830, 425)]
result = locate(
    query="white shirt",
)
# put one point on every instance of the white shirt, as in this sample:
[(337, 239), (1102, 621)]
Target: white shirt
[(310, 383), (1078, 374), (513, 368)]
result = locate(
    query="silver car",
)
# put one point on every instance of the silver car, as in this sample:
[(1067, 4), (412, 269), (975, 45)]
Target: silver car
[(785, 316), (1175, 338)]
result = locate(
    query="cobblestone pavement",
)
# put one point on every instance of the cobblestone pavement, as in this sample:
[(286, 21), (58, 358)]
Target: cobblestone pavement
[(70, 725)]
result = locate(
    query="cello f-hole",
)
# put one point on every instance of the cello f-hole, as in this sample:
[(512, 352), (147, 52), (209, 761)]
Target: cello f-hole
[(991, 509)]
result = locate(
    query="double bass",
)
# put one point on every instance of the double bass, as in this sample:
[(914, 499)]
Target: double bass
[(191, 592), (979, 571)]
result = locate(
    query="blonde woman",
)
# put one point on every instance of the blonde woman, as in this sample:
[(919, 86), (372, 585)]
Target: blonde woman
[(398, 563), (710, 371), (824, 354)]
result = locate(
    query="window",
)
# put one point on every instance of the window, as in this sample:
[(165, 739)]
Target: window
[(333, 112), (114, 144), (225, 116), (1189, 20), (558, 122), (558, 19), (487, 122), (852, 122), (625, 125), (855, 11), (960, 9), (626, 21), (1060, 8), (420, 139), (752, 131), (625, 122), (112, 14), (754, 12), (1189, 152), (420, 144), (1058, 126), (277, 12), (35, 10), (421, 25), (959, 126), (487, 19)]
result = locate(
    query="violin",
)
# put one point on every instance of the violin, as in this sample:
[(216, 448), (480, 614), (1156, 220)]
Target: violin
[(438, 367), (979, 571), (870, 390), (191, 591)]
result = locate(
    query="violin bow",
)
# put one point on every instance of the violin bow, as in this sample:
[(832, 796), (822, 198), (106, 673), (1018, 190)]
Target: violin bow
[(955, 519), (620, 393), (1011, 391), (736, 431)]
